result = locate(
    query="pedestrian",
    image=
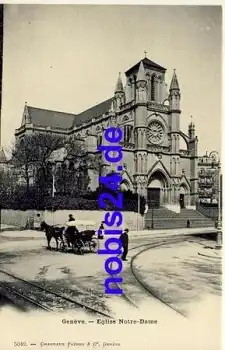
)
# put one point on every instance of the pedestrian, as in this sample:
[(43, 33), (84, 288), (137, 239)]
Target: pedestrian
[(37, 222), (71, 218), (146, 208), (101, 231), (125, 240)]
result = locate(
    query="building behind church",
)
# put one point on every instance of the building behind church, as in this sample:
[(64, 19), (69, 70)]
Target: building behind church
[(208, 178), (154, 165)]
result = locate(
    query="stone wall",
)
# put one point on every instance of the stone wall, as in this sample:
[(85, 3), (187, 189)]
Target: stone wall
[(18, 218)]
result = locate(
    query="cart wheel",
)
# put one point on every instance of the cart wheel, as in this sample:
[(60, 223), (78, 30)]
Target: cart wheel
[(94, 245), (80, 246)]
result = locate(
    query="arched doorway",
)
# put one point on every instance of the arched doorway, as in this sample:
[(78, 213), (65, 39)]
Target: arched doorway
[(157, 189), (183, 196)]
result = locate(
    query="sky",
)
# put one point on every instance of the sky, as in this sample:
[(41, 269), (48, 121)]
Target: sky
[(67, 58)]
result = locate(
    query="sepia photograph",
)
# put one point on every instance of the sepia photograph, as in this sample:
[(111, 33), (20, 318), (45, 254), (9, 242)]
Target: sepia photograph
[(110, 177)]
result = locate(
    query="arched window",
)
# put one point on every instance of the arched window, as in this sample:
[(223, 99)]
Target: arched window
[(127, 133), (153, 83)]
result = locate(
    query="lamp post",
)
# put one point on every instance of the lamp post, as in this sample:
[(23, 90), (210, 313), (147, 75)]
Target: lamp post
[(53, 190), (152, 226), (138, 211), (219, 224)]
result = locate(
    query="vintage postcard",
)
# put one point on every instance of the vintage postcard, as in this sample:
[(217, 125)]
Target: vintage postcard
[(111, 177)]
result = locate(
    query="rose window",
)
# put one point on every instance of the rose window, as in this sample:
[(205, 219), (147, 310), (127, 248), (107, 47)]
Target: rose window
[(155, 132)]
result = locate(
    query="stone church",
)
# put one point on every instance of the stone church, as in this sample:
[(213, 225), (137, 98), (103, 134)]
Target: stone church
[(154, 165)]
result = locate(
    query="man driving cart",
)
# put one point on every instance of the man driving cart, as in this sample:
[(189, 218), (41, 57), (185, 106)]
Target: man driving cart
[(71, 232)]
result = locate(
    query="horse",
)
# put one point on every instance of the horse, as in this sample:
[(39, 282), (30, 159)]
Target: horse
[(52, 232)]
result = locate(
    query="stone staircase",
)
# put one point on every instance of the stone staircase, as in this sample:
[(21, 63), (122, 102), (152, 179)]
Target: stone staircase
[(165, 218)]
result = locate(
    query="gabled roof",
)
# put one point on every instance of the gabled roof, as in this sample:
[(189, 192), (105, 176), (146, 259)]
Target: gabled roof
[(58, 155), (93, 112), (45, 118), (147, 64)]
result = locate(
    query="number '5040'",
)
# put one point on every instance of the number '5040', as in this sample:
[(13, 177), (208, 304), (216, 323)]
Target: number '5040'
[(20, 343)]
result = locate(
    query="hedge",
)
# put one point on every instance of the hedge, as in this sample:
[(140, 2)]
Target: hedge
[(25, 202)]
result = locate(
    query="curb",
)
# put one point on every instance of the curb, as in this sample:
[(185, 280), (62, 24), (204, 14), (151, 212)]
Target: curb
[(210, 256)]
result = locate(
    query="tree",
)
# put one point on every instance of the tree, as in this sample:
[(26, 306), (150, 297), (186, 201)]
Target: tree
[(9, 184), (36, 155), (72, 176), (31, 155)]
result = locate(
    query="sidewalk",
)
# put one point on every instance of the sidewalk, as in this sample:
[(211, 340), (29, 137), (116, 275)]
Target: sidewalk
[(208, 251), (169, 232), (13, 232), (4, 227)]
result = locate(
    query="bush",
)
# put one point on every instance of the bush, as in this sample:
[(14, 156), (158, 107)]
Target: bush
[(130, 200)]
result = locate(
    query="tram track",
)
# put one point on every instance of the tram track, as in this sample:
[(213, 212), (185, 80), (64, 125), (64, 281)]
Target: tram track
[(22, 297), (136, 275), (30, 289), (146, 286)]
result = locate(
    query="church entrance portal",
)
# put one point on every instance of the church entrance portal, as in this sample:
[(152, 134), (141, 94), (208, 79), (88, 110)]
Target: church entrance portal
[(157, 194), (182, 201), (153, 197)]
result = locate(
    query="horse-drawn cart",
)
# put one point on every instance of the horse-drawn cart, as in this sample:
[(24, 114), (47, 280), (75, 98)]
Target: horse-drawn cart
[(84, 238)]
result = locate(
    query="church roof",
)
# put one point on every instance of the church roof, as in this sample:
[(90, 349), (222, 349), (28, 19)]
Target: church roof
[(93, 112), (147, 64), (2, 156), (45, 117)]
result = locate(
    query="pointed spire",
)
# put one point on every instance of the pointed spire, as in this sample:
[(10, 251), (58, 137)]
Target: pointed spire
[(141, 73), (2, 156), (119, 85), (26, 116), (174, 82), (191, 129), (191, 125)]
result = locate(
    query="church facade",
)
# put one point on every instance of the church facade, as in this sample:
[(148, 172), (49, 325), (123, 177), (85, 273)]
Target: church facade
[(149, 113)]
